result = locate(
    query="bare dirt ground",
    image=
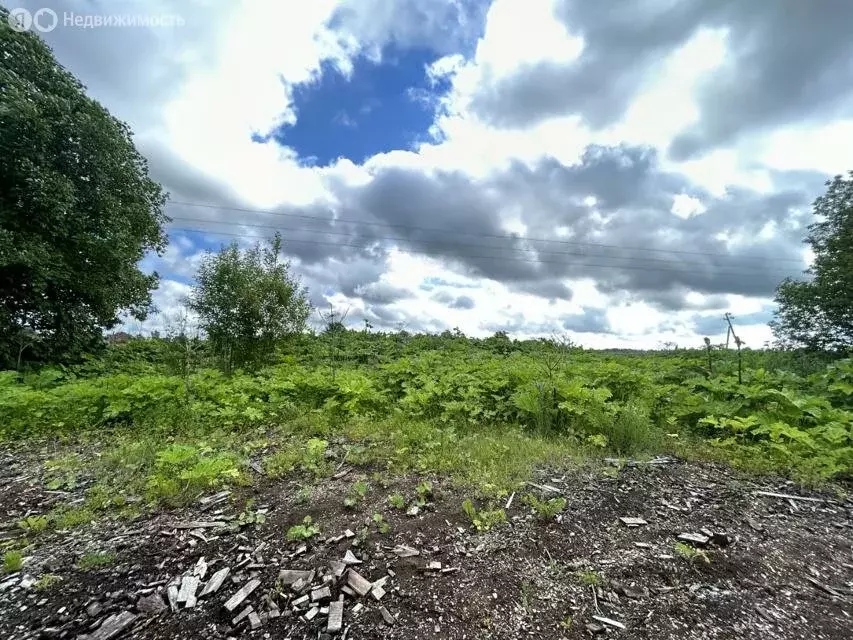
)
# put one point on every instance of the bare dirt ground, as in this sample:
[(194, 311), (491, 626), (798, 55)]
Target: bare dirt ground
[(770, 568)]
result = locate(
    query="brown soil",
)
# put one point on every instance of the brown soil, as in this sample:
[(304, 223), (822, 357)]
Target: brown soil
[(786, 570)]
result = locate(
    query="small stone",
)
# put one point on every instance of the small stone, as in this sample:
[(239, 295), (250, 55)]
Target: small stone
[(413, 511), (95, 608), (377, 593), (721, 539), (151, 604), (404, 551), (350, 558), (434, 566), (337, 568), (349, 533), (312, 613)]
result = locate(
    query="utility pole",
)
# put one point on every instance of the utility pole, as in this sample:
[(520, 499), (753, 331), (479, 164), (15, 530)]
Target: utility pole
[(738, 342)]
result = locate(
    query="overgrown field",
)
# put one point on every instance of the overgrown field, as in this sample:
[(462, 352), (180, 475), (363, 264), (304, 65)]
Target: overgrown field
[(152, 422)]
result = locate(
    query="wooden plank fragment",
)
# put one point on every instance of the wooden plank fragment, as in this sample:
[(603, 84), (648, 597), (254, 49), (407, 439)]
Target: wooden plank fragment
[(113, 626), (786, 496), (215, 582), (633, 522), (172, 594), (189, 585), (336, 616), (244, 592), (290, 576), (200, 524), (609, 622), (323, 593), (358, 582), (243, 614), (387, 617)]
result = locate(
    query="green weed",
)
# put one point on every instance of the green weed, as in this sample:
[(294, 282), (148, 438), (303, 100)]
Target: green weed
[(397, 501), (304, 531), (12, 561), (689, 553), (382, 525), (47, 581), (589, 578), (92, 561), (485, 519), (545, 509)]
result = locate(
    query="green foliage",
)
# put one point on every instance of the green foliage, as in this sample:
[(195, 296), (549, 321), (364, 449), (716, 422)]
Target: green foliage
[(689, 553), (304, 531), (818, 313), (397, 501), (631, 430), (308, 456), (247, 302), (483, 520), (424, 491), (357, 493), (382, 525), (545, 509), (183, 472), (92, 561), (436, 405), (47, 582), (589, 578), (12, 561), (77, 211), (34, 524)]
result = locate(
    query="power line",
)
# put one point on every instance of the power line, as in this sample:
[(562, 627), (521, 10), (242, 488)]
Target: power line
[(468, 233), (475, 257), (460, 245)]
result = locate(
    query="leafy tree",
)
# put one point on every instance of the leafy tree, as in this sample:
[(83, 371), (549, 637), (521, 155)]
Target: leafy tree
[(247, 301), (77, 210), (818, 313)]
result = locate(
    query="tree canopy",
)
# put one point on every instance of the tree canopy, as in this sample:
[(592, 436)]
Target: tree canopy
[(818, 313), (78, 210), (247, 301)]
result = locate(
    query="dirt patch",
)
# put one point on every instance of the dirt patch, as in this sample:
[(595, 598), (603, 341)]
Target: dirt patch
[(772, 568)]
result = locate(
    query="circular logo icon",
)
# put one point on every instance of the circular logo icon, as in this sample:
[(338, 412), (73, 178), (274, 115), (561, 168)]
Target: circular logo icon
[(45, 20), (20, 19)]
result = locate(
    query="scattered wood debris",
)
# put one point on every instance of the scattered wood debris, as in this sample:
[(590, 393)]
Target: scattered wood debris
[(244, 592), (336, 616), (695, 539), (632, 522), (787, 496), (610, 622)]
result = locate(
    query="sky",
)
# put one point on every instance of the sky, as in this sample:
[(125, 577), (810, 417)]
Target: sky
[(540, 167)]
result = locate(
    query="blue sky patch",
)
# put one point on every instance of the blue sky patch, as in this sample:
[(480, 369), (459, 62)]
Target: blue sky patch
[(381, 107)]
